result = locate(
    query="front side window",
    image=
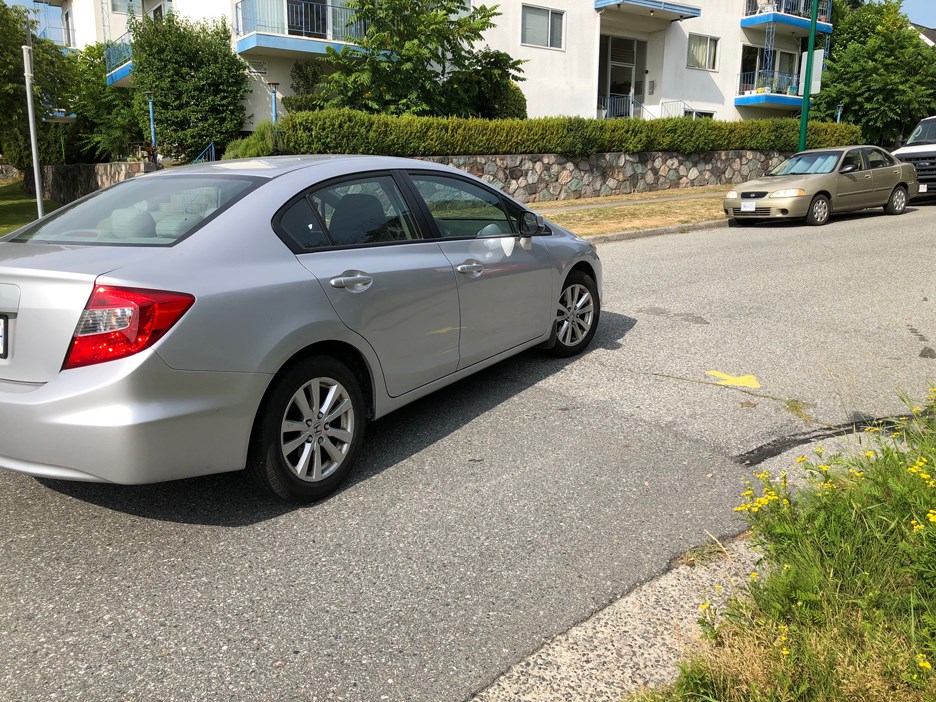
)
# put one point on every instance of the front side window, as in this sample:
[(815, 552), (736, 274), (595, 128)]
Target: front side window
[(462, 209), (152, 211), (369, 210), (542, 27), (853, 158), (703, 52)]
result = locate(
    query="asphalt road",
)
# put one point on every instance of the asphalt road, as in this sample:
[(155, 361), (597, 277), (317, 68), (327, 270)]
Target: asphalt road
[(490, 517)]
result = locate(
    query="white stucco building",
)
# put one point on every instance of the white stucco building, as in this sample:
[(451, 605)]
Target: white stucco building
[(728, 59)]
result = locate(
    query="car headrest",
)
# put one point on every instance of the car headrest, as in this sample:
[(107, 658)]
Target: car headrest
[(131, 223), (359, 217)]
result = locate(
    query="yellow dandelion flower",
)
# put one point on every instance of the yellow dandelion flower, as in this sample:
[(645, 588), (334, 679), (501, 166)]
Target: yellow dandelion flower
[(824, 468), (753, 575), (785, 651), (931, 515), (718, 588), (704, 606), (819, 450), (763, 475), (916, 525), (801, 459), (869, 454), (917, 409), (923, 662)]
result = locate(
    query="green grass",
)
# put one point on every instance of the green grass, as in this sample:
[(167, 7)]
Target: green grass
[(18, 207), (844, 606)]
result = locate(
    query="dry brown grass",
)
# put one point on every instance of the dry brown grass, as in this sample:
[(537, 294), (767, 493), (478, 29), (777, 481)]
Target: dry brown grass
[(609, 220)]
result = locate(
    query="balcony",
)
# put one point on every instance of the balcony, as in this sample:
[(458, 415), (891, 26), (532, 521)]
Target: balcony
[(294, 28), (62, 36), (118, 61), (793, 13), (660, 10), (771, 89)]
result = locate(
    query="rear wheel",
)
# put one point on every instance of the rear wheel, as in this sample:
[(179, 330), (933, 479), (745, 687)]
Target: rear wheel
[(897, 204), (819, 211), (309, 430), (577, 314)]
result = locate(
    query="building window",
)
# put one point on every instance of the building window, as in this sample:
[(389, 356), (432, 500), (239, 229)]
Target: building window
[(125, 7), (542, 27), (703, 52)]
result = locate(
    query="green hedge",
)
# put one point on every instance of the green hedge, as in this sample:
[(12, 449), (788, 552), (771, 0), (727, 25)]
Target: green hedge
[(350, 132)]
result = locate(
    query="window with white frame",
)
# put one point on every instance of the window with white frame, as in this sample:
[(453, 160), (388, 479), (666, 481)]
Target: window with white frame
[(703, 52), (542, 27)]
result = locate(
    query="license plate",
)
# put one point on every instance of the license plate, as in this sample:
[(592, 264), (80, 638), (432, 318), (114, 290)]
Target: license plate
[(3, 336), (748, 206), (924, 188)]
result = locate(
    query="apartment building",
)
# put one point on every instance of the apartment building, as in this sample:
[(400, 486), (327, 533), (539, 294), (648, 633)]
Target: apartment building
[(728, 59)]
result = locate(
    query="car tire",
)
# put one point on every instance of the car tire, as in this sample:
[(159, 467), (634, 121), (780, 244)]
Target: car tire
[(577, 313), (308, 431), (897, 203), (819, 211)]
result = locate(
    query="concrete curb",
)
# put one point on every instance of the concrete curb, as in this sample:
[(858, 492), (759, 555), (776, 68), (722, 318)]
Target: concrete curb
[(659, 231)]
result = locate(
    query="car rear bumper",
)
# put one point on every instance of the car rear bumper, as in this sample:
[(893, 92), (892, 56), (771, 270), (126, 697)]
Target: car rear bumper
[(768, 208), (130, 421)]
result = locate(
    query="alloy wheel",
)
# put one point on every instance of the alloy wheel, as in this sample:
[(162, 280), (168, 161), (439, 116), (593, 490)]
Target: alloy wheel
[(317, 429), (821, 210), (574, 314)]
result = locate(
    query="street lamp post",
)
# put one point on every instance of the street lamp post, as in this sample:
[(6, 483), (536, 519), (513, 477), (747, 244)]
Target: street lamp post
[(33, 141), (273, 86), (149, 98)]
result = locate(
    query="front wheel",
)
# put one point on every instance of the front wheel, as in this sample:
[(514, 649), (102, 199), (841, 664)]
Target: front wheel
[(576, 314), (819, 211), (897, 204), (308, 430)]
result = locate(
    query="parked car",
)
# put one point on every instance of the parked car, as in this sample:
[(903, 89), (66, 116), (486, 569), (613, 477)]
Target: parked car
[(817, 184), (920, 150), (260, 313)]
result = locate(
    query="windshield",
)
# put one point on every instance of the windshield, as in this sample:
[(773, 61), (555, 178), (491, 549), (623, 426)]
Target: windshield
[(803, 164), (925, 133), (139, 212)]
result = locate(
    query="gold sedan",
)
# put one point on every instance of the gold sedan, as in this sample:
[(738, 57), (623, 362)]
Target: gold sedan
[(818, 183)]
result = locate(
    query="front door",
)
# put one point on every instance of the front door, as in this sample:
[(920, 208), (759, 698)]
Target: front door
[(506, 291), (855, 189), (621, 90)]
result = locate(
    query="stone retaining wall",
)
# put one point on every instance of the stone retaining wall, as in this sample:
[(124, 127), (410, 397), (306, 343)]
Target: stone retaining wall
[(63, 184), (7, 171), (528, 178), (534, 178)]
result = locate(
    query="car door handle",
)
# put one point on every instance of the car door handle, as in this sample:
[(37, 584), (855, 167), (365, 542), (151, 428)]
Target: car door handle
[(867, 177), (470, 268), (353, 281)]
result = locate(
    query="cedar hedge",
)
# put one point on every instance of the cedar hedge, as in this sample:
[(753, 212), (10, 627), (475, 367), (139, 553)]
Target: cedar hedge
[(351, 132)]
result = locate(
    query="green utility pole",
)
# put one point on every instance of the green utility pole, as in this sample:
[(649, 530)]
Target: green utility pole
[(807, 89)]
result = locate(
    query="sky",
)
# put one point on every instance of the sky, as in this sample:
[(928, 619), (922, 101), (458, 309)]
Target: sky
[(921, 11)]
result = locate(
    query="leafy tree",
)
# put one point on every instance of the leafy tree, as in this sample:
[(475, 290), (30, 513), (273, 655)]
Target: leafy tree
[(881, 71), (198, 81), (106, 123), (51, 80), (487, 89), (405, 60)]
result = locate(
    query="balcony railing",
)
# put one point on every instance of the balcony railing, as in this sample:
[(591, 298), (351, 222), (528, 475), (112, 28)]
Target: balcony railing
[(59, 35), (315, 19), (621, 106), (117, 52), (768, 82), (798, 8)]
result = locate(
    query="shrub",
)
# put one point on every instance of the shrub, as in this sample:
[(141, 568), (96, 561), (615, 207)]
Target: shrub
[(261, 143), (348, 131), (512, 103)]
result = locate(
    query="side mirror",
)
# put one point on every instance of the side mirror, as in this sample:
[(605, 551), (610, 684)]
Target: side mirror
[(531, 224), (850, 168)]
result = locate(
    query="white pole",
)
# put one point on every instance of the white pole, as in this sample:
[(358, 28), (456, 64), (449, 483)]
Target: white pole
[(27, 71)]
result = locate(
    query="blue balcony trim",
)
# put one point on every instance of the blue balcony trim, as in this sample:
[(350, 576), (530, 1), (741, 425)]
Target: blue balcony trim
[(661, 5), (791, 20), (120, 73), (262, 40), (768, 99)]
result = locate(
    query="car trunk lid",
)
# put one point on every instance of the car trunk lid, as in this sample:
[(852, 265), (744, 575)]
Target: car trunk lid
[(43, 291)]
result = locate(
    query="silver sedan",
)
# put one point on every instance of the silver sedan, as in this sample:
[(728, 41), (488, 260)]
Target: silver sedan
[(258, 314)]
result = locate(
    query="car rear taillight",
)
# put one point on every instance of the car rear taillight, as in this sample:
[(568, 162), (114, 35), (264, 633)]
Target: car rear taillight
[(119, 322)]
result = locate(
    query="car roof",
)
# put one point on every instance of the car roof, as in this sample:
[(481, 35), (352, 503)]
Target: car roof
[(275, 166)]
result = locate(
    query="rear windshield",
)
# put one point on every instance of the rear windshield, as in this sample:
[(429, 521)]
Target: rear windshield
[(140, 212), (803, 164)]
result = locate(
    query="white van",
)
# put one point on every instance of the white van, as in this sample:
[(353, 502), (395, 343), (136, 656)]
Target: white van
[(920, 150)]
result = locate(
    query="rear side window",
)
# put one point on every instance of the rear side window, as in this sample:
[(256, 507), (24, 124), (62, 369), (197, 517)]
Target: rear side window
[(369, 210), (878, 159), (143, 211), (302, 226)]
